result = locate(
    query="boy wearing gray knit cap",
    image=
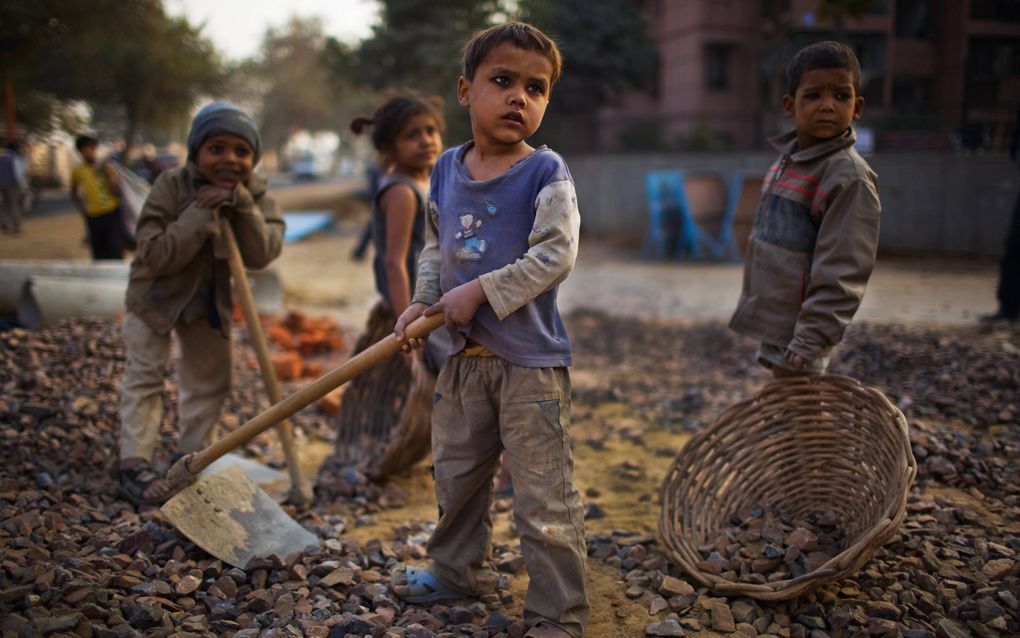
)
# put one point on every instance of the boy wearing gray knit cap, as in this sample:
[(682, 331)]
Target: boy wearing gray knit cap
[(180, 283)]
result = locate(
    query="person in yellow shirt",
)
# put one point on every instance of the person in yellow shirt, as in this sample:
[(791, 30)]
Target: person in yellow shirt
[(94, 191)]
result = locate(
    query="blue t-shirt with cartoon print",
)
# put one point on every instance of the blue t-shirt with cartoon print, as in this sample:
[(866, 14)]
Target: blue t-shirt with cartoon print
[(484, 225)]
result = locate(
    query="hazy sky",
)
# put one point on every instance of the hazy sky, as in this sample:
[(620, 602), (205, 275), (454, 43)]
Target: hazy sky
[(236, 27)]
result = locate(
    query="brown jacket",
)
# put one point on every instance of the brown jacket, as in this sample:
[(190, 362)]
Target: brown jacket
[(812, 247), (179, 251)]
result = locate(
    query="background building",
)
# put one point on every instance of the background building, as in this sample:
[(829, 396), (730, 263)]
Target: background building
[(935, 73)]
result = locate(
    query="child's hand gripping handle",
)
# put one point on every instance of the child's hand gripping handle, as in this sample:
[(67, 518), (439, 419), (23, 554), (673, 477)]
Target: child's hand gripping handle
[(185, 471)]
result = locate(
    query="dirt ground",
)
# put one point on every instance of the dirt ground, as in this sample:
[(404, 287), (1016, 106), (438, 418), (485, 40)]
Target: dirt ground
[(621, 456)]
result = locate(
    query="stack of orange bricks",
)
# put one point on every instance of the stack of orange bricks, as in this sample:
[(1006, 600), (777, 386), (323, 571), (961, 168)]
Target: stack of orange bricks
[(301, 337)]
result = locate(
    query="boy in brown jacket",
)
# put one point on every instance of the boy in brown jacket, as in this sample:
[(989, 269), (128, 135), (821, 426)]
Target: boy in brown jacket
[(180, 282), (815, 233)]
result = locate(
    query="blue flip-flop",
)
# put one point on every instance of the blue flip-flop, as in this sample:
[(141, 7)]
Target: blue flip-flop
[(423, 587)]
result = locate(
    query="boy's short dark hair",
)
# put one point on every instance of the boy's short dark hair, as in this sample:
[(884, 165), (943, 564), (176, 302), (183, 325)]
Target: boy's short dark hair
[(822, 55), (521, 35), (82, 141)]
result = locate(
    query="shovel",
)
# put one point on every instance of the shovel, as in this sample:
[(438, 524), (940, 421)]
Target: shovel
[(229, 516), (300, 489)]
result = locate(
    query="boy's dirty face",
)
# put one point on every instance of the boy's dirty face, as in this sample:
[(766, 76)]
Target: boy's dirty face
[(225, 160), (824, 107), (508, 96)]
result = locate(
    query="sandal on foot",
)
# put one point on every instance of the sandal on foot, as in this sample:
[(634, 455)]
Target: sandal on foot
[(546, 629), (421, 586), (134, 482)]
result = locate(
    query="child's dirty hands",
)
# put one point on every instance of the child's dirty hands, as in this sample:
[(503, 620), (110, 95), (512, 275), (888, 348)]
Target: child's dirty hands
[(212, 196), (795, 360), (412, 312), (460, 304)]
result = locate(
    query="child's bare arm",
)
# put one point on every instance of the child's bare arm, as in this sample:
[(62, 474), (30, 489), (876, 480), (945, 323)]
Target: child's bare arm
[(550, 258), (844, 257), (426, 291), (398, 205)]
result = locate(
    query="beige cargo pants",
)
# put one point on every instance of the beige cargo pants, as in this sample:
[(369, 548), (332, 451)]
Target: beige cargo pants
[(483, 405), (205, 373)]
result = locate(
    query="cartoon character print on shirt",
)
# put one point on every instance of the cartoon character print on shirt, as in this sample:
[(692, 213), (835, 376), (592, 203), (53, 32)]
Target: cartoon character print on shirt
[(474, 246)]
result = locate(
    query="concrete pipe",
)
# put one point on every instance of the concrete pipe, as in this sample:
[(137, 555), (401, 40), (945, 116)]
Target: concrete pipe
[(46, 299), (30, 290), (14, 273)]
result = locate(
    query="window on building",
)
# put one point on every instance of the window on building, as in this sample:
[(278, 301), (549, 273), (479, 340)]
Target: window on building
[(911, 93), (717, 66), (989, 62), (1002, 10), (881, 7), (913, 19)]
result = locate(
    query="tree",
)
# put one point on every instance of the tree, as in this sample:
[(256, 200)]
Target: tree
[(606, 52), (30, 30), (153, 70), (293, 82), (418, 45), (122, 54)]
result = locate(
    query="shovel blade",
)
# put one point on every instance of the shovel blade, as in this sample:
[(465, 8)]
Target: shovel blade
[(234, 520)]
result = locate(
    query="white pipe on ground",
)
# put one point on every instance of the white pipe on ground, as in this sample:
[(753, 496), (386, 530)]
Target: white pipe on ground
[(14, 273), (46, 299), (41, 292)]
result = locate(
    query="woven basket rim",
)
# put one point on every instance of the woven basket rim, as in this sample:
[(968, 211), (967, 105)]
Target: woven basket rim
[(882, 525)]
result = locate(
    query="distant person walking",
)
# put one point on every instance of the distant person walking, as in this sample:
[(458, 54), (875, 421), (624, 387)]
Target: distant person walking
[(13, 186), (95, 194), (1008, 292)]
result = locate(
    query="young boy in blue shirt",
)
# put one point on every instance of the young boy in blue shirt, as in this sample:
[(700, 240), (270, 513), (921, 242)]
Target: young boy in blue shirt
[(501, 235)]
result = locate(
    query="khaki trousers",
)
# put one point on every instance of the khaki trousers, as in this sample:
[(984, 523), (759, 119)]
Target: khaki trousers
[(205, 374), (483, 405)]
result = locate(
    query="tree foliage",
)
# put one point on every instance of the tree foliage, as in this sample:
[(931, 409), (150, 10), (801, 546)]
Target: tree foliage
[(127, 55), (294, 83), (605, 46), (606, 52), (419, 44)]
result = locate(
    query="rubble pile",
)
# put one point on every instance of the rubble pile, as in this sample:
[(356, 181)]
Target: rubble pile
[(77, 561), (954, 568)]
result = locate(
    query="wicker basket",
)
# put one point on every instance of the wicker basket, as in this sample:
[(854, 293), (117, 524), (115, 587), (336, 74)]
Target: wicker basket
[(802, 445)]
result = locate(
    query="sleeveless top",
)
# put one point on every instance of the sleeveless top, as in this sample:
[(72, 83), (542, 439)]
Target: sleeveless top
[(379, 222)]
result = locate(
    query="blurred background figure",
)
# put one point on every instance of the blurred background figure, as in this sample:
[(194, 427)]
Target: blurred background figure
[(13, 187), (1008, 292), (95, 194)]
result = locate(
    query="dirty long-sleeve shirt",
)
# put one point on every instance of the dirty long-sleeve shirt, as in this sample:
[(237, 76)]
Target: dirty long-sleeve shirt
[(517, 234)]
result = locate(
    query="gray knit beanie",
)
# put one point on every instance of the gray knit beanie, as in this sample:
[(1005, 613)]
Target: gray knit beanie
[(223, 117)]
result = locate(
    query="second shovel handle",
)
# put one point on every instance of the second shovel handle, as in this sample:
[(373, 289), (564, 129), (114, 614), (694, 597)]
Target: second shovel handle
[(313, 391)]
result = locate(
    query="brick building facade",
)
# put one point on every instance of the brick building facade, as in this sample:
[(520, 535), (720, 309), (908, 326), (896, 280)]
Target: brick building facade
[(935, 73)]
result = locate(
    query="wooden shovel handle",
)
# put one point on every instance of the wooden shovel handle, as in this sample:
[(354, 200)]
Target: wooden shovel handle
[(313, 391), (301, 490)]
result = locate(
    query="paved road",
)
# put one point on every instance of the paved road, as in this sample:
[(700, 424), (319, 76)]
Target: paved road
[(941, 291), (318, 273)]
